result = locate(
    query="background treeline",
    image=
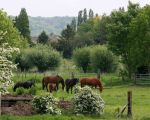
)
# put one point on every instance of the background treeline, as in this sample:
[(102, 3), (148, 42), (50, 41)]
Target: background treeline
[(124, 33)]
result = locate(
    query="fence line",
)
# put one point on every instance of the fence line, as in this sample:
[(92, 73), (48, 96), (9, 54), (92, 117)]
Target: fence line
[(142, 79)]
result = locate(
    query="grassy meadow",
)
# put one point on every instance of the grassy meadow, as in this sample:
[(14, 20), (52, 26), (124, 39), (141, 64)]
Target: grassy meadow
[(114, 95)]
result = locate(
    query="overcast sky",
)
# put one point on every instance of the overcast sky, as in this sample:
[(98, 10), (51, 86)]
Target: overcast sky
[(50, 8)]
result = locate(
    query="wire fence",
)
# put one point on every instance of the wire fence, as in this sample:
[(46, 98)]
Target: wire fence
[(142, 79)]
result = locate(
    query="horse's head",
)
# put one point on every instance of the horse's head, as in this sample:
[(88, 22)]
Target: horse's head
[(100, 86), (61, 80)]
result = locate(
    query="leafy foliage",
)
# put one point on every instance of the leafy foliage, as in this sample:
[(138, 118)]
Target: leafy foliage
[(9, 32), (95, 57), (103, 59), (20, 91), (119, 32), (46, 104), (41, 56), (24, 60), (45, 58), (139, 40), (33, 90), (81, 57), (43, 38), (87, 102), (6, 65), (22, 24), (65, 42)]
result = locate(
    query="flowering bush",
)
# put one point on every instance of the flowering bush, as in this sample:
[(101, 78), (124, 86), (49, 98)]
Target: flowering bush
[(46, 104), (87, 102), (6, 65)]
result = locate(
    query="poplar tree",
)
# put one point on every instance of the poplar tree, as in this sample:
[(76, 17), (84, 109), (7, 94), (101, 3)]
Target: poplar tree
[(80, 19), (22, 24), (91, 14), (85, 15)]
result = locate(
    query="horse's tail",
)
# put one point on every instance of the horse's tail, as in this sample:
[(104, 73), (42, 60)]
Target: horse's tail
[(43, 85)]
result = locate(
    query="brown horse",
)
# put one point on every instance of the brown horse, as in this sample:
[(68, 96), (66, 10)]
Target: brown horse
[(52, 87), (91, 82), (53, 79)]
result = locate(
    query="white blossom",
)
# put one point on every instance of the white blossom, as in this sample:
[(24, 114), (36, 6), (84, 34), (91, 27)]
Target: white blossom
[(6, 65)]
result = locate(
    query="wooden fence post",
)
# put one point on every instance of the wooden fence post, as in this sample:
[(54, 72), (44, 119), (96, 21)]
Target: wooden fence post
[(129, 114), (72, 75), (98, 74)]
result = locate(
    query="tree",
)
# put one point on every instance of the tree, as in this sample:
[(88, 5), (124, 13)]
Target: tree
[(80, 18), (84, 15), (102, 59), (139, 44), (22, 24), (10, 33), (81, 57), (84, 35), (118, 33), (43, 38), (74, 24), (65, 41), (91, 14), (6, 65), (100, 30)]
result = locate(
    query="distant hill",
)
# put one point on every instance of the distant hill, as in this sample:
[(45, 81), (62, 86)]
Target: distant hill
[(48, 24)]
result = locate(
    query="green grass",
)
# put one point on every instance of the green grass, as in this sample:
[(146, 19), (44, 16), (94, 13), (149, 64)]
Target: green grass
[(114, 95)]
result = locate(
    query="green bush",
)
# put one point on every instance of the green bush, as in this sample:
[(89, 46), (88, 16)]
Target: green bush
[(81, 57), (20, 91), (103, 59), (32, 90), (41, 56), (45, 104), (24, 60), (45, 58), (95, 57), (87, 102)]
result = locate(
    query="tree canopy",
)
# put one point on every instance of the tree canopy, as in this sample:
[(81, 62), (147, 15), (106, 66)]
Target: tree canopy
[(22, 24)]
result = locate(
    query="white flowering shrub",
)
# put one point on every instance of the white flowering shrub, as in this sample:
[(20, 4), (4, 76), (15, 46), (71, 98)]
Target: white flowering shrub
[(6, 65), (46, 104), (87, 102)]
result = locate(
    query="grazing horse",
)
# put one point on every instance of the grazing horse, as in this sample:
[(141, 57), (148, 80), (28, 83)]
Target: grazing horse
[(91, 82), (53, 79), (52, 87), (25, 84), (70, 83)]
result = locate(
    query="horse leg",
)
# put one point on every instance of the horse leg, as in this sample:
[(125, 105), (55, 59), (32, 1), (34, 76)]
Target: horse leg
[(46, 87), (57, 86)]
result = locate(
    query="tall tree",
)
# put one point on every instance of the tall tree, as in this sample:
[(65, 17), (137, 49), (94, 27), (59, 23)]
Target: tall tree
[(84, 15), (65, 42), (140, 39), (80, 17), (100, 29), (118, 33), (91, 14), (10, 34), (22, 23), (43, 38), (74, 24)]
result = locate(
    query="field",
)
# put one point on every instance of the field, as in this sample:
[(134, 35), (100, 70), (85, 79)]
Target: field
[(114, 95)]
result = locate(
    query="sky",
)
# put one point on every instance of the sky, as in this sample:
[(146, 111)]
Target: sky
[(51, 8)]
